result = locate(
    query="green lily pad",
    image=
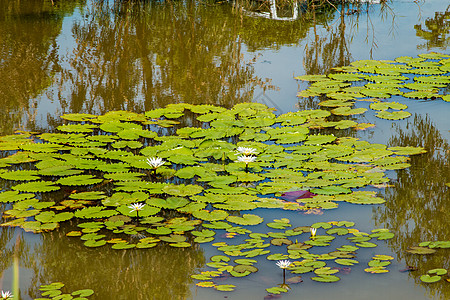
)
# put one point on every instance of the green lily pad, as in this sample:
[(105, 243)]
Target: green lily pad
[(387, 105), (430, 279), (438, 271), (346, 262), (246, 219), (366, 244), (378, 263), (20, 175), (214, 215), (395, 115), (79, 180), (36, 186), (51, 286), (13, 196), (225, 287), (326, 278), (420, 250), (83, 293), (94, 243)]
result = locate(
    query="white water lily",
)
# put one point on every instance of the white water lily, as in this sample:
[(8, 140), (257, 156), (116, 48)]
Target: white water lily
[(155, 162), (6, 295), (283, 264), (313, 231), (246, 159), (247, 151), (136, 207)]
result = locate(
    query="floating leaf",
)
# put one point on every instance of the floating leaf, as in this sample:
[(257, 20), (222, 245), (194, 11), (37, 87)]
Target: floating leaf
[(407, 150), (225, 287), (366, 244), (22, 175), (376, 270), (420, 250), (346, 262), (83, 293), (347, 111), (246, 219), (51, 286), (378, 263), (387, 105), (395, 115), (79, 180), (13, 196), (430, 279), (182, 190), (214, 215), (36, 186), (326, 278), (95, 243), (438, 271), (276, 290)]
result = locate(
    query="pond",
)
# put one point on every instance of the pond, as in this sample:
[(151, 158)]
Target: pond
[(64, 62)]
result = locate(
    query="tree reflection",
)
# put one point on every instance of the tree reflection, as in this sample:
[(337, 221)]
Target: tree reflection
[(436, 33), (146, 55), (417, 205), (162, 272), (325, 52), (27, 55)]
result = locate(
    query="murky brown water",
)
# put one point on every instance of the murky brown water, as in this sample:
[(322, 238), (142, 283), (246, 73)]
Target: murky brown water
[(94, 57)]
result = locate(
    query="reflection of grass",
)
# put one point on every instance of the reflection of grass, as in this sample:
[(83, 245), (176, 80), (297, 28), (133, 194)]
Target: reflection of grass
[(420, 197)]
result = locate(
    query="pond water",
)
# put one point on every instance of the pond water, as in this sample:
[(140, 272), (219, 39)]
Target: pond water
[(98, 56)]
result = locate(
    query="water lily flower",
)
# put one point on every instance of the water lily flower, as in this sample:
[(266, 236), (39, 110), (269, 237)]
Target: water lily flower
[(136, 207), (313, 231), (283, 264), (246, 151), (6, 295), (246, 159), (155, 162)]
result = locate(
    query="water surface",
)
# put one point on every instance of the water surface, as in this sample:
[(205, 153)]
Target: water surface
[(95, 57)]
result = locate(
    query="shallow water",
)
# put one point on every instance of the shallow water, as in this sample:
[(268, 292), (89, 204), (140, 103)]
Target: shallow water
[(93, 57)]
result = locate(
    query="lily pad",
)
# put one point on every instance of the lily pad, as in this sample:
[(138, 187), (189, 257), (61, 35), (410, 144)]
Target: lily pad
[(430, 279), (246, 219), (326, 278)]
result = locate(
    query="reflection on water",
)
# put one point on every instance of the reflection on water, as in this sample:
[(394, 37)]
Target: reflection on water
[(83, 56), (418, 204), (281, 11), (162, 272), (146, 55), (437, 31), (133, 55), (28, 32)]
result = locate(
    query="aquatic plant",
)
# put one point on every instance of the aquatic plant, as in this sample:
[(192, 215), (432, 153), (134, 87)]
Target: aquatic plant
[(53, 291), (422, 78), (92, 172)]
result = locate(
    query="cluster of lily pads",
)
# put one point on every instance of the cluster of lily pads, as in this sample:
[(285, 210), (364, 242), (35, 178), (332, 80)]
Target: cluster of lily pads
[(288, 247), (434, 275), (177, 175), (53, 291), (101, 166), (420, 77)]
